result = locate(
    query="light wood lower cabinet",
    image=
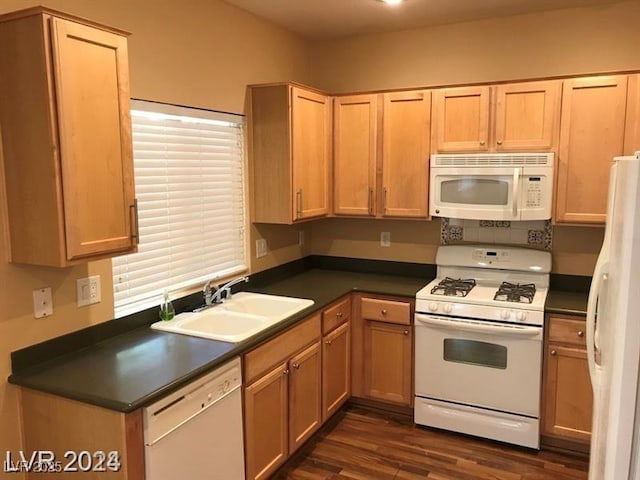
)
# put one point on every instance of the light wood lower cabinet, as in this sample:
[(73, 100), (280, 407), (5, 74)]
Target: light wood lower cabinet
[(388, 360), (382, 349), (283, 401), (59, 425), (305, 396), (336, 369), (567, 397), (266, 422)]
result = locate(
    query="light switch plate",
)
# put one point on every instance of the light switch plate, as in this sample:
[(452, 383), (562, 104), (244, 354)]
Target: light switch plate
[(42, 302), (88, 290), (261, 248), (385, 239)]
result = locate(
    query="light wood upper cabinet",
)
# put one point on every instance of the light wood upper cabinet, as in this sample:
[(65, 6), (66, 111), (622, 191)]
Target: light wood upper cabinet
[(66, 132), (592, 133), (461, 119), (503, 118), (405, 157), (355, 146), (632, 127), (567, 395), (400, 132), (527, 116), (290, 145)]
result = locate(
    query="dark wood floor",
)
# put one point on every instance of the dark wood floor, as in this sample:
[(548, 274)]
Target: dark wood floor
[(371, 445)]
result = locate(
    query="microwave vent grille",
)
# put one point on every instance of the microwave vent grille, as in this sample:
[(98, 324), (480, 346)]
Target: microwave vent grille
[(491, 160)]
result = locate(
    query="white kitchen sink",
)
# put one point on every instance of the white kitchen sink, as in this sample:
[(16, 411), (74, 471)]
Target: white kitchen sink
[(236, 319)]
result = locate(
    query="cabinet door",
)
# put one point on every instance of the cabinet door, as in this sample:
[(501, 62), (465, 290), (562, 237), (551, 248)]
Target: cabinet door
[(405, 158), (355, 134), (266, 423), (388, 362), (336, 369), (92, 95), (568, 398), (305, 401), (461, 119), (310, 123), (527, 116), (591, 134)]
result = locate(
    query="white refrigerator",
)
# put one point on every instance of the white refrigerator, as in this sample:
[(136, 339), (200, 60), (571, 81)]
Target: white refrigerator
[(613, 331)]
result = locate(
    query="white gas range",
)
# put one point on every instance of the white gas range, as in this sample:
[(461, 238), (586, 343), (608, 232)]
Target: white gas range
[(478, 351)]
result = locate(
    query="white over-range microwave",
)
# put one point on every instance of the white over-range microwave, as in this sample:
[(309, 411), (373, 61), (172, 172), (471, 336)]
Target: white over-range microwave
[(492, 186)]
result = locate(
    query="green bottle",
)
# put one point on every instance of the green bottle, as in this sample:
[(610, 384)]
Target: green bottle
[(166, 308)]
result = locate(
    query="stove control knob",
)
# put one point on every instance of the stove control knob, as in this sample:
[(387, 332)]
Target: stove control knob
[(433, 306), (505, 314), (447, 308), (521, 316)]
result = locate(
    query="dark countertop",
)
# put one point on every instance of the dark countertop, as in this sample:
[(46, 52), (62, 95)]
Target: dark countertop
[(137, 368), (134, 369), (567, 303)]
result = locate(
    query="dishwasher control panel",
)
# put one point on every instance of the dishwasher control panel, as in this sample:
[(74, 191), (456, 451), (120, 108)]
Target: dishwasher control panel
[(167, 414)]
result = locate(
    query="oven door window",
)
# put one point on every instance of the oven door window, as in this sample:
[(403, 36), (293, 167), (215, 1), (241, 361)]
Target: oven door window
[(476, 191), (473, 352)]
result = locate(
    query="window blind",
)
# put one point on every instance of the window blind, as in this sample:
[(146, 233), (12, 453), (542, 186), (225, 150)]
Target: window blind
[(189, 176)]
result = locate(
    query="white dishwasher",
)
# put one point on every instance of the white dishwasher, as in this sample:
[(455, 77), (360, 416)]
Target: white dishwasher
[(196, 432)]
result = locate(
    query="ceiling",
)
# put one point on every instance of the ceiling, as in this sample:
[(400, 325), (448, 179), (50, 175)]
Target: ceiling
[(338, 18)]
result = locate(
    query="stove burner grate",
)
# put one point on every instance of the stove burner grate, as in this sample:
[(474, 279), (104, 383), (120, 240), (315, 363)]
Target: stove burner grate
[(515, 292), (453, 287)]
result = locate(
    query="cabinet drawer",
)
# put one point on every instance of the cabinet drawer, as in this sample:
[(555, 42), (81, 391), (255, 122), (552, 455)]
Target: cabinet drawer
[(282, 347), (336, 315), (566, 330), (386, 311)]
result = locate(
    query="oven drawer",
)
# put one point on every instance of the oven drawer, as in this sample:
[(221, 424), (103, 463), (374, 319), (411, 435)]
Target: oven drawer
[(386, 311), (565, 330)]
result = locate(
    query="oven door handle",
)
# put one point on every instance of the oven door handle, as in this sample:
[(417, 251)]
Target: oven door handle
[(505, 330)]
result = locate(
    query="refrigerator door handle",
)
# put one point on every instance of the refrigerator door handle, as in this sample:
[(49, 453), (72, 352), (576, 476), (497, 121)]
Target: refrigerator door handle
[(594, 306)]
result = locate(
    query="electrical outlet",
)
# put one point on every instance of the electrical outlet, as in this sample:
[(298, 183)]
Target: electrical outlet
[(42, 302), (385, 239), (300, 237), (261, 248), (88, 290)]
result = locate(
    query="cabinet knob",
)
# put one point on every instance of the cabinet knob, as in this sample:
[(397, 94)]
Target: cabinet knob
[(296, 366), (406, 332), (339, 314), (285, 371), (383, 311), (553, 352), (482, 142), (499, 142), (328, 342), (580, 333)]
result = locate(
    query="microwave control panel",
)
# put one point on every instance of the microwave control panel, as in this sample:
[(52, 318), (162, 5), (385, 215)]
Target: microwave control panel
[(534, 187)]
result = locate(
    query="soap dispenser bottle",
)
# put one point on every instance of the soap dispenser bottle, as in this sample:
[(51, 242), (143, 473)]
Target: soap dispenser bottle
[(166, 308)]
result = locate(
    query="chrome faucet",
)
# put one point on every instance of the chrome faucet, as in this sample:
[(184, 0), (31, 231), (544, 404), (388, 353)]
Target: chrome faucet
[(222, 293)]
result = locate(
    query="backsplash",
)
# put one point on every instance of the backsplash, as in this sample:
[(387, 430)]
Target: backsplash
[(535, 234)]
